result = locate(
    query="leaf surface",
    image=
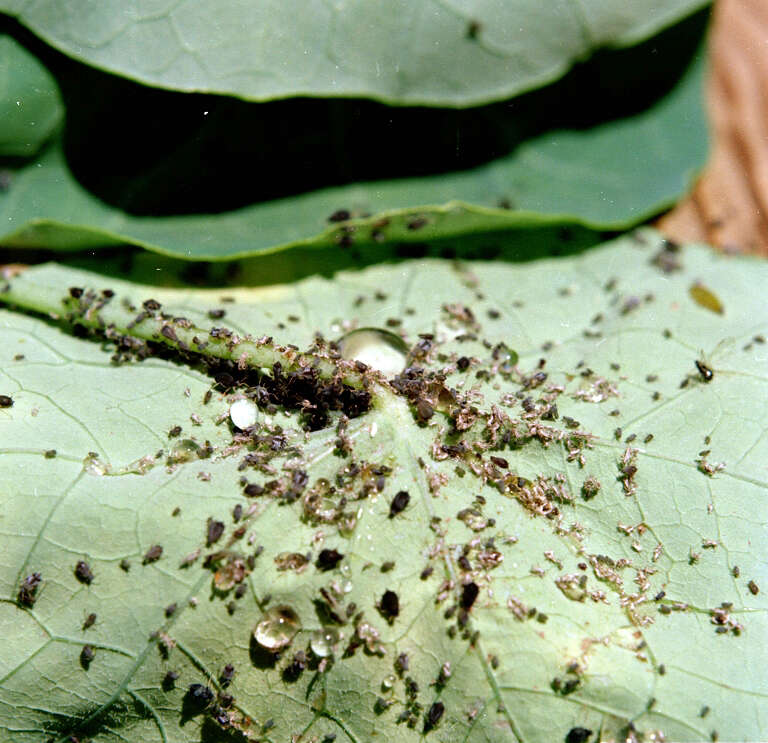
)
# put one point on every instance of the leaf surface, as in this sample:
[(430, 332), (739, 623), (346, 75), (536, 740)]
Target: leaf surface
[(30, 105), (595, 607), (433, 53), (607, 176)]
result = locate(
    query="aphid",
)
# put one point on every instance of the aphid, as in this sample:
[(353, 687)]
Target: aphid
[(462, 363), (168, 332), (176, 511), (170, 610), (87, 654), (754, 589), (706, 373), (83, 572), (49, 453), (660, 595), (401, 663), (469, 595), (125, 565), (328, 559), (578, 735), (151, 305), (89, 621), (240, 591), (662, 669), (28, 589), (735, 571), (253, 490), (215, 530), (389, 606), (426, 572), (630, 438), (434, 713), (648, 439), (153, 554), (237, 512), (399, 503), (227, 674), (416, 223), (174, 432), (199, 696), (387, 566), (340, 215), (207, 397), (75, 292), (169, 680), (216, 314), (6, 401), (424, 411), (500, 462)]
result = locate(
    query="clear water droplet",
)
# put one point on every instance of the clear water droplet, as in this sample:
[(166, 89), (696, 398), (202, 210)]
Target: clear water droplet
[(347, 586), (323, 641), (243, 413), (183, 451), (389, 682), (377, 348), (278, 627)]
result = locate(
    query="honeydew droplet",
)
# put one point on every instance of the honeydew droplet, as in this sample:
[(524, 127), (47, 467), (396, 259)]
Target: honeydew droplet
[(243, 413), (277, 628), (324, 641), (377, 348)]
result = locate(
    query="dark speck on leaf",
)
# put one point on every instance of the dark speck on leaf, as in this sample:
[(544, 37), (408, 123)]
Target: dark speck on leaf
[(153, 554), (389, 606), (469, 595), (169, 680), (6, 401), (75, 292), (399, 503), (199, 696), (433, 716), (706, 373), (340, 215), (215, 530), (578, 735), (328, 559), (86, 656), (424, 410), (83, 572)]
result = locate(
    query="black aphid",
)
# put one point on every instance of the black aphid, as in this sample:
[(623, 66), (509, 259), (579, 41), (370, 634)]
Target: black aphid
[(86, 656), (169, 680), (216, 314), (433, 716), (424, 410), (125, 565), (237, 512), (89, 621), (199, 696), (6, 401), (468, 595), (49, 453), (75, 292), (706, 373), (174, 432), (207, 397), (28, 589), (340, 215), (215, 530), (253, 490), (170, 610), (754, 589), (328, 559), (462, 363), (226, 676), (399, 503), (500, 462), (153, 554), (389, 606), (84, 573), (578, 735), (168, 332), (152, 305)]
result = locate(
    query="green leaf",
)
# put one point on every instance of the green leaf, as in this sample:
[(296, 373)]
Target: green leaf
[(430, 53), (644, 160), (30, 105), (596, 607)]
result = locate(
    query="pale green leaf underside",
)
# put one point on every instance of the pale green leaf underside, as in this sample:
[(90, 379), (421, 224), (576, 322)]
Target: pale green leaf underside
[(608, 177), (68, 397), (399, 52), (30, 105)]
